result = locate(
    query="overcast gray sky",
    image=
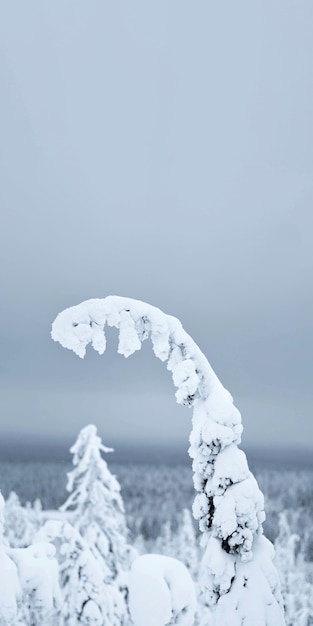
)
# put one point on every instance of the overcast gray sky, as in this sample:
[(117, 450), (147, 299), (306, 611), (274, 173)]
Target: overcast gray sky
[(162, 151)]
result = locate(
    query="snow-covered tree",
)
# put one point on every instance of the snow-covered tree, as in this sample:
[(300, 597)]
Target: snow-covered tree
[(96, 505), (297, 589), (164, 542), (185, 544), (38, 574), (180, 544), (20, 523), (86, 599), (239, 577), (139, 544), (97, 511), (29, 588)]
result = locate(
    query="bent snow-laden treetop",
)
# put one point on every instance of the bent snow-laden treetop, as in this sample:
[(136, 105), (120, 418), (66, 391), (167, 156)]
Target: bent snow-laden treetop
[(229, 505)]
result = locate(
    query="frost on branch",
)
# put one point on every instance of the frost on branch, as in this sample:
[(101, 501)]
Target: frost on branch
[(229, 505)]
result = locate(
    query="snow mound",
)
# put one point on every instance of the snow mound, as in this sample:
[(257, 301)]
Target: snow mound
[(161, 591)]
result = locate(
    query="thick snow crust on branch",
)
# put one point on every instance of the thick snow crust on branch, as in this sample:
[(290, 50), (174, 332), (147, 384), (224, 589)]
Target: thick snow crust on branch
[(229, 505)]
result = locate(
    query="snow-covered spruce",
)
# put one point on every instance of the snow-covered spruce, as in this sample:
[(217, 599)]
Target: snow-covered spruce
[(86, 599), (97, 512), (96, 506), (238, 560)]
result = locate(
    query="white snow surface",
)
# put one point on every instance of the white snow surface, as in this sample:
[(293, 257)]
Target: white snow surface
[(161, 592)]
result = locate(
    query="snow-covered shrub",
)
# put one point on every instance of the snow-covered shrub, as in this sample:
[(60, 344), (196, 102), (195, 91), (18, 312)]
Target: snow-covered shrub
[(29, 590), (161, 591), (38, 574), (85, 597), (20, 523), (10, 590), (238, 561)]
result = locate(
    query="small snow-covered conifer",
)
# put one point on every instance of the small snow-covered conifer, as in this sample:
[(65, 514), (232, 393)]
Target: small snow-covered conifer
[(96, 505), (239, 578), (185, 544), (84, 594), (164, 542), (180, 544)]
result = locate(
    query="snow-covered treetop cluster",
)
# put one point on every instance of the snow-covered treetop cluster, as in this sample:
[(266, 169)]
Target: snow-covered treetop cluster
[(229, 505)]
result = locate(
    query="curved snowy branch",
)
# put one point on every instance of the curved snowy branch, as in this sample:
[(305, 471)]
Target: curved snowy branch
[(229, 505)]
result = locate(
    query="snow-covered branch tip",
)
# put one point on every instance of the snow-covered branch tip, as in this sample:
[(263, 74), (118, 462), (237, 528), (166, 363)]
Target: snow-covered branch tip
[(136, 321), (229, 505)]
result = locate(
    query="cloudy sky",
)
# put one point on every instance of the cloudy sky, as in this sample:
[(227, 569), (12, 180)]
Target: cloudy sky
[(162, 151)]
